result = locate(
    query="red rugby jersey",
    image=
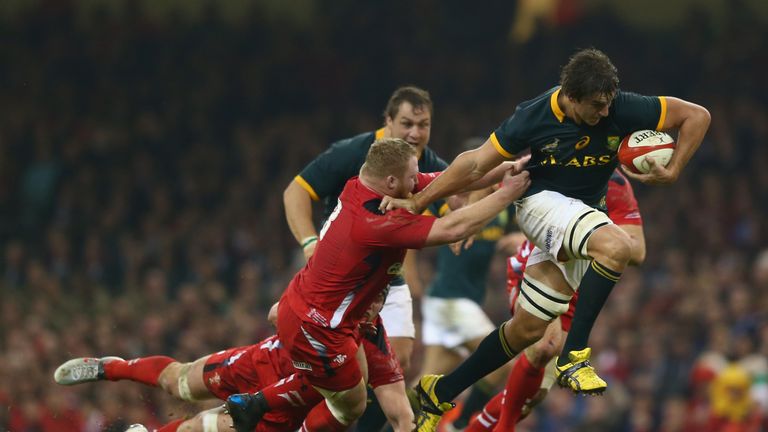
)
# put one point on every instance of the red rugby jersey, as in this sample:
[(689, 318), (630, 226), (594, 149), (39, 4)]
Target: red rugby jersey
[(359, 251)]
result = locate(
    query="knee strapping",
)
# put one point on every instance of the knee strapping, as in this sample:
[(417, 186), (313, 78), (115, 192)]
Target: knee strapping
[(185, 393), (580, 229), (210, 422), (541, 300)]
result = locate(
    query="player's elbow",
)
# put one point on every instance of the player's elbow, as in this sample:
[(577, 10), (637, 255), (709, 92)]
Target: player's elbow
[(447, 231)]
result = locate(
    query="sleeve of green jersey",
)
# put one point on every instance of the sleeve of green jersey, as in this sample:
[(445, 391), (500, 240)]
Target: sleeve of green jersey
[(328, 172), (508, 137), (637, 112)]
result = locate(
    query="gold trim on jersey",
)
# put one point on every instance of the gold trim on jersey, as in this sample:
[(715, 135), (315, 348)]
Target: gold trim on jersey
[(379, 134), (555, 107), (303, 183), (663, 116), (498, 146), (444, 209)]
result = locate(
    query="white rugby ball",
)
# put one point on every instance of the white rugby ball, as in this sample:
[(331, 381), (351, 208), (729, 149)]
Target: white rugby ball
[(638, 145)]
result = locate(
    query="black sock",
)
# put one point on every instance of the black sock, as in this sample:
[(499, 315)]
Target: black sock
[(594, 289), (492, 353), (479, 395), (373, 419)]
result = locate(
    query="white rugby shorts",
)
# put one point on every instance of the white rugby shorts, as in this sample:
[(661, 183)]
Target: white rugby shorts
[(452, 322), (397, 313)]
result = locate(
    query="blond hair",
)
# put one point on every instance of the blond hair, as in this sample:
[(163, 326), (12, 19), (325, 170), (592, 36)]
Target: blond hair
[(388, 156)]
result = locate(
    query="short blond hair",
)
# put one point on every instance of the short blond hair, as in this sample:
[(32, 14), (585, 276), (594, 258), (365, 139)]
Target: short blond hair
[(388, 156)]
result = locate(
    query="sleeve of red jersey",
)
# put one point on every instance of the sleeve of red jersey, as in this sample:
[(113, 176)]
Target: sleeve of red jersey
[(399, 228), (423, 179), (621, 203)]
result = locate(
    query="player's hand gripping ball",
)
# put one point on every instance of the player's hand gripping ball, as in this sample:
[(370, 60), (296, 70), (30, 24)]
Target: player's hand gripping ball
[(635, 147)]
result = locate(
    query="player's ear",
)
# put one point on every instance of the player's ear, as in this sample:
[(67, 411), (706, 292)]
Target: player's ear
[(391, 182)]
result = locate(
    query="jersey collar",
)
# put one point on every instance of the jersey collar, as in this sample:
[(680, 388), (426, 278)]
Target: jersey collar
[(555, 107)]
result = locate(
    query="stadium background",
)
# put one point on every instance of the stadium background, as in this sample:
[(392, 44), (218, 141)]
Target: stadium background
[(144, 146)]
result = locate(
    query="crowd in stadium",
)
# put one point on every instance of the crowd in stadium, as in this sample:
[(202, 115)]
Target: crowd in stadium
[(141, 209)]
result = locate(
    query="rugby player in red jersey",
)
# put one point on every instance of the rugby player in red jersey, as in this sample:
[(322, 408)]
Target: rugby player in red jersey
[(244, 369), (359, 250)]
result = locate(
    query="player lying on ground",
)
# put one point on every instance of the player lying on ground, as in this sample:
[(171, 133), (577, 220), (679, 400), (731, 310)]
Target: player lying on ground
[(244, 369)]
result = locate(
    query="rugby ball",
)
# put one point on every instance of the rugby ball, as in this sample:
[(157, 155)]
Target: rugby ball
[(635, 147)]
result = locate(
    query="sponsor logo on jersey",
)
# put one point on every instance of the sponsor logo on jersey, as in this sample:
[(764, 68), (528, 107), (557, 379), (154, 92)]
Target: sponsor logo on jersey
[(583, 142), (613, 142), (579, 162), (301, 365)]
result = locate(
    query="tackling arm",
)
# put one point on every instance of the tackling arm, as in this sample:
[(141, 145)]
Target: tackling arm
[(467, 168)]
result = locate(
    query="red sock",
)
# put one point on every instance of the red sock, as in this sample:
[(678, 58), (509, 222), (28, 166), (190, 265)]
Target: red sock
[(487, 418), (320, 419), (291, 392), (145, 370), (171, 427), (523, 383)]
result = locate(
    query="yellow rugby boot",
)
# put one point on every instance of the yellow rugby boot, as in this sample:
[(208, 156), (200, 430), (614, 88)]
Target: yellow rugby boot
[(429, 410), (579, 375)]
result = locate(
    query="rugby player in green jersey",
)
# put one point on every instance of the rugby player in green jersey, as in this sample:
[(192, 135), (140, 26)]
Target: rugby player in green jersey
[(573, 131)]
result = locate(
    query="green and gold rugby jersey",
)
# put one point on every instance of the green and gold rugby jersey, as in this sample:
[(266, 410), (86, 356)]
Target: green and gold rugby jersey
[(575, 160), (325, 176), (465, 275)]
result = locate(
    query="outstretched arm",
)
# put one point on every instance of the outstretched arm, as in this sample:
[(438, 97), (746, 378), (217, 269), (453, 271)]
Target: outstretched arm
[(468, 220), (467, 168)]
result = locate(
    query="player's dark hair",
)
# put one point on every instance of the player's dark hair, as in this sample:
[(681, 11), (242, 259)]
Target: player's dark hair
[(418, 98), (587, 73), (388, 156)]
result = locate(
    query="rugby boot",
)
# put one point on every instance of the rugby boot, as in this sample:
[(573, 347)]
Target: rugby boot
[(137, 428), (430, 409), (579, 375), (81, 370), (246, 410)]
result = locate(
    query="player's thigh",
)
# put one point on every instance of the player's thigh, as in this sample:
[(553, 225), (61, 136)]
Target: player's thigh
[(439, 359), (548, 273)]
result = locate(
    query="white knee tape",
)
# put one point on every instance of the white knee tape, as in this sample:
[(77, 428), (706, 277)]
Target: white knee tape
[(541, 300), (549, 374), (185, 393), (210, 422), (581, 227)]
